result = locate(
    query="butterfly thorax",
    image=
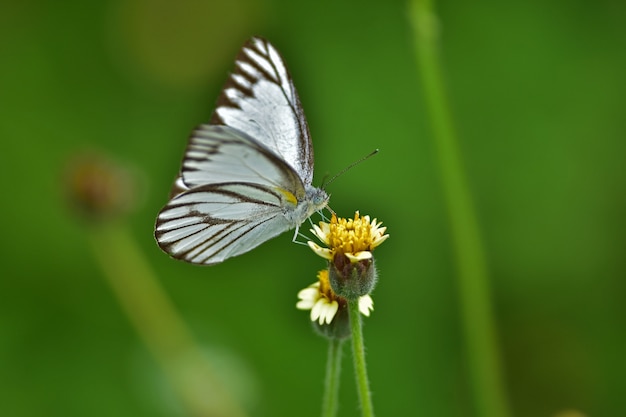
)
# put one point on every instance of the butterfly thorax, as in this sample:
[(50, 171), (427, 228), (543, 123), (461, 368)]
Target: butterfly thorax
[(314, 200)]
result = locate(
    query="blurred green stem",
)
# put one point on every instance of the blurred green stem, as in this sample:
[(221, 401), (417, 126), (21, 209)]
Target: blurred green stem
[(333, 371), (158, 323), (358, 354), (489, 394)]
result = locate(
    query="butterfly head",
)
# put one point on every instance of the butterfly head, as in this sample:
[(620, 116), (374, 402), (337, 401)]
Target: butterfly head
[(317, 198)]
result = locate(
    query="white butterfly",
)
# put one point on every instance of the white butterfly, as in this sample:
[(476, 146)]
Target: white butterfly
[(246, 177)]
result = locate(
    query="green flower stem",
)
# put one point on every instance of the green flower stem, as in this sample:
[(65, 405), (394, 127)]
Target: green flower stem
[(358, 353), (156, 320), (333, 371), (489, 394)]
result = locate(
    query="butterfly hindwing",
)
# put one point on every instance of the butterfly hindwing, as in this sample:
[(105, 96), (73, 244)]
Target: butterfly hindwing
[(208, 224), (260, 99)]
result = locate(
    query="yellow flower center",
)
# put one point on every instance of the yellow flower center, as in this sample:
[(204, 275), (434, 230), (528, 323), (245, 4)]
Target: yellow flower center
[(350, 235), (324, 288)]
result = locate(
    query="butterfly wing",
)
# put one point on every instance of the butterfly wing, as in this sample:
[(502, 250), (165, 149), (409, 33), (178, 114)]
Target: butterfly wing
[(210, 224), (222, 154), (260, 99), (230, 197), (244, 175)]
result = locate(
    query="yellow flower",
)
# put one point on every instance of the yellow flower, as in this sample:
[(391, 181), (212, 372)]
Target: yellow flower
[(355, 238)]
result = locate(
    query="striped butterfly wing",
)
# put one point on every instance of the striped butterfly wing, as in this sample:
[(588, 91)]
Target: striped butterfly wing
[(260, 99), (221, 154), (230, 197), (213, 223)]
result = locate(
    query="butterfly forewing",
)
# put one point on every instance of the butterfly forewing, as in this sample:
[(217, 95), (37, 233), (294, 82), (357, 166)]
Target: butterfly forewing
[(221, 154), (260, 99)]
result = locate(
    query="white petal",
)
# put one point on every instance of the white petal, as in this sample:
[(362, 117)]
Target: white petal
[(323, 252), (305, 304), (317, 309), (359, 256), (379, 240), (330, 309), (309, 294), (366, 304), (317, 231)]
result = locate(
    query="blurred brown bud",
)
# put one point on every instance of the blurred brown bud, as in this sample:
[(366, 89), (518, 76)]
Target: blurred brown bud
[(98, 187)]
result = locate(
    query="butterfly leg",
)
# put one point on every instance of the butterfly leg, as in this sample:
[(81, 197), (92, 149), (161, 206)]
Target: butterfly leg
[(298, 234)]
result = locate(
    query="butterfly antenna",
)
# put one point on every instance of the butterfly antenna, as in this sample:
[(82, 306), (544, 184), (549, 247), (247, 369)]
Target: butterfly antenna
[(343, 171), (324, 180)]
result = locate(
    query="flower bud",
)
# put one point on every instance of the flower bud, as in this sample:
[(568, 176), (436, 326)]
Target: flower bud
[(352, 280)]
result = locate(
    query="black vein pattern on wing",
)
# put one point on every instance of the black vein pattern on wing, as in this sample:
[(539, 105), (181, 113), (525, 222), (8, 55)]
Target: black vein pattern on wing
[(205, 143), (294, 104), (305, 150), (223, 238)]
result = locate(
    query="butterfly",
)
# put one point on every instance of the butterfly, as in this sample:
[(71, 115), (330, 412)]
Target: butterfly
[(246, 176)]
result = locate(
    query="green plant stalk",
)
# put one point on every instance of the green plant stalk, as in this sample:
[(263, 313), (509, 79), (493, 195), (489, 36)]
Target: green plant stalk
[(331, 386), (477, 318), (358, 354), (158, 323)]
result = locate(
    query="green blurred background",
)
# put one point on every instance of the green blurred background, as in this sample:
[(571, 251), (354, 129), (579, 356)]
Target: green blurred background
[(538, 92)]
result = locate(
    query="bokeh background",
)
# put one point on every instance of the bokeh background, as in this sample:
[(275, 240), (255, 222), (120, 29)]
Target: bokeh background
[(538, 93)]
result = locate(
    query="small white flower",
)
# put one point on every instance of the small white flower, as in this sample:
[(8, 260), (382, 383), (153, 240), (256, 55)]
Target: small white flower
[(324, 304)]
